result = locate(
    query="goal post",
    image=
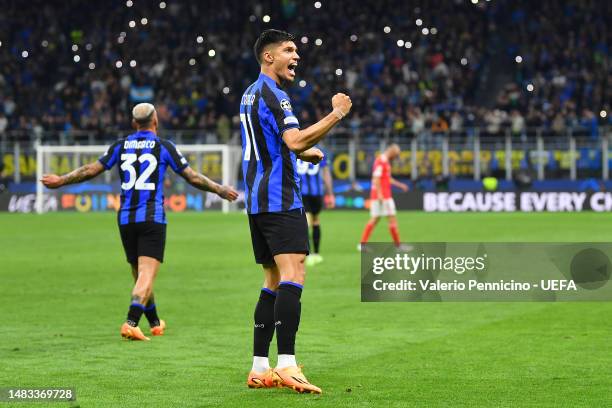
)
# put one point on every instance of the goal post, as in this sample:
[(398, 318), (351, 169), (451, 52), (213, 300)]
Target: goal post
[(216, 161)]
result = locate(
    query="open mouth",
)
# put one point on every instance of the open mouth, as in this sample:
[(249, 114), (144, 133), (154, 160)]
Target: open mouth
[(292, 68)]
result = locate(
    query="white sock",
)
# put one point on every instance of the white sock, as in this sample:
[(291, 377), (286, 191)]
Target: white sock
[(286, 360), (260, 364)]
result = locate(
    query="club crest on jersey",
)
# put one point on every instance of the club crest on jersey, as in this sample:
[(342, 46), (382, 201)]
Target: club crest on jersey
[(285, 104)]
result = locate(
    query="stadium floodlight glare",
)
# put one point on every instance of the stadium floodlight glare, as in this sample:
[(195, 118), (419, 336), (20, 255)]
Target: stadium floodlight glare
[(302, 83), (121, 39), (317, 4), (25, 54), (44, 43), (144, 21), (419, 22), (387, 29), (118, 64), (433, 30), (192, 61), (132, 24), (304, 40), (464, 61), (211, 53), (318, 42), (474, 1), (408, 44), (400, 43), (603, 113), (425, 31), (92, 65), (252, 18), (132, 63), (353, 38), (162, 5), (200, 39), (75, 47), (76, 58), (88, 47), (129, 3), (518, 59), (226, 90), (266, 18), (530, 87), (338, 72)]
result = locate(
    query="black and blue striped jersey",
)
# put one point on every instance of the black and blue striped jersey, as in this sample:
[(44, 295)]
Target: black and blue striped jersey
[(142, 160), (311, 179), (268, 166)]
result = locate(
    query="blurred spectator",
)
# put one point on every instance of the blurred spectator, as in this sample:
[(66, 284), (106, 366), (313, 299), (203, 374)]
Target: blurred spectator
[(68, 66)]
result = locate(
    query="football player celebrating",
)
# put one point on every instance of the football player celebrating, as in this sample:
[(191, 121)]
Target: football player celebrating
[(142, 159)]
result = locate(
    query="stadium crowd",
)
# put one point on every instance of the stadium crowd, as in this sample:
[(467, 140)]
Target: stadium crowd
[(406, 67)]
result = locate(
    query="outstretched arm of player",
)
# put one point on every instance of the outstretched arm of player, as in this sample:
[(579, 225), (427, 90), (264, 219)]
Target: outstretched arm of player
[(402, 186), (312, 155), (79, 175), (330, 200), (202, 182), (299, 140)]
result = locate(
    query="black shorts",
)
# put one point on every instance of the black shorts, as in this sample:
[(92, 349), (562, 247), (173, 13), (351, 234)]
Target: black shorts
[(274, 233), (312, 203), (143, 239)]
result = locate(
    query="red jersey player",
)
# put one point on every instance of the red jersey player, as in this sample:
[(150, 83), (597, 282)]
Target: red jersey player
[(381, 200)]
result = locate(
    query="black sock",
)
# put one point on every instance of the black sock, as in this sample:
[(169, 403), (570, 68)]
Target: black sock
[(135, 313), (287, 311), (151, 312), (316, 237), (264, 323)]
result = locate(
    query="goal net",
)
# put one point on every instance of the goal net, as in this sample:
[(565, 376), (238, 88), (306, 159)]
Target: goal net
[(218, 162)]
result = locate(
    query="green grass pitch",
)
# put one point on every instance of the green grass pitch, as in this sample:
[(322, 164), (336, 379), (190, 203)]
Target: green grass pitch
[(65, 288)]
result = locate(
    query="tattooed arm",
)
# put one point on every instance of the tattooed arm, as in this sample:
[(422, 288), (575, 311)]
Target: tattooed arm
[(79, 175), (202, 182)]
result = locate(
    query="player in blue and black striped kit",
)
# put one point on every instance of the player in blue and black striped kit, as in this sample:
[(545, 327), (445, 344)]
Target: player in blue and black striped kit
[(271, 142), (142, 160), (316, 183)]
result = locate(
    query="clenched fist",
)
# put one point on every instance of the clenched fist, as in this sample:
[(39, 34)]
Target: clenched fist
[(342, 103), (312, 155)]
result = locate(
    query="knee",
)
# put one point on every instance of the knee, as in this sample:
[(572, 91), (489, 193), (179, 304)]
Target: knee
[(296, 274)]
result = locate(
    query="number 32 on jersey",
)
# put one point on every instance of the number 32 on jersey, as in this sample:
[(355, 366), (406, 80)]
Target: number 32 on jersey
[(133, 180)]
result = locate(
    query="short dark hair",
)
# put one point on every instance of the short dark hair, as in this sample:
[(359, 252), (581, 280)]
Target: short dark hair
[(270, 37)]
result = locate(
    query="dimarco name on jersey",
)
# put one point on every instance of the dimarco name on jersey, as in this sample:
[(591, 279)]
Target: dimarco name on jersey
[(142, 144)]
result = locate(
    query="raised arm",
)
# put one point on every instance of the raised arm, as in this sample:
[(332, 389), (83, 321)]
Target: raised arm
[(79, 175), (201, 182), (299, 140)]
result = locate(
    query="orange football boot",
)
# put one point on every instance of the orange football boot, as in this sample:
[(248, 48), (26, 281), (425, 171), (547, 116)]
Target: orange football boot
[(158, 330), (260, 380), (292, 377), (132, 333)]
